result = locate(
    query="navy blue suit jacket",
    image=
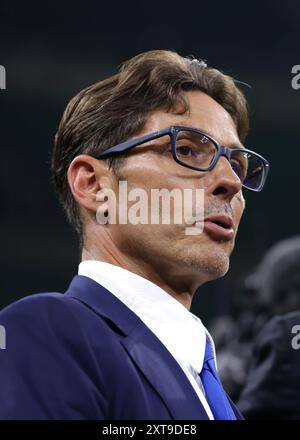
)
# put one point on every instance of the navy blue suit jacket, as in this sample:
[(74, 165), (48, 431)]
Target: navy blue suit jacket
[(85, 355)]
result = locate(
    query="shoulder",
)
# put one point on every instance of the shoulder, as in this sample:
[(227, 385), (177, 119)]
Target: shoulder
[(41, 320), (53, 366), (273, 345), (43, 310), (53, 320), (278, 332), (31, 303)]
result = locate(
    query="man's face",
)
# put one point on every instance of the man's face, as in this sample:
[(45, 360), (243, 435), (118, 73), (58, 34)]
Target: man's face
[(166, 248)]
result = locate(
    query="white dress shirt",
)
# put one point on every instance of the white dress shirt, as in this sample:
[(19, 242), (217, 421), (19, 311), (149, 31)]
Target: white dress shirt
[(179, 330)]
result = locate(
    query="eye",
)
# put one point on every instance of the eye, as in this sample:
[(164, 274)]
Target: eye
[(238, 168), (185, 150)]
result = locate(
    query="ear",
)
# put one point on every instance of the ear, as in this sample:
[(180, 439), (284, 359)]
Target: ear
[(86, 177)]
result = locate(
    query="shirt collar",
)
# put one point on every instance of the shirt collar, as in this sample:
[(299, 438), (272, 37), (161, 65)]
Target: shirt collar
[(182, 333)]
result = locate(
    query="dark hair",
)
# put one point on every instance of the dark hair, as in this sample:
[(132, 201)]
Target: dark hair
[(112, 110)]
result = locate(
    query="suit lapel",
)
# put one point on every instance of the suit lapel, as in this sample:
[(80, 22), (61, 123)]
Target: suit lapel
[(235, 409), (145, 349), (164, 373)]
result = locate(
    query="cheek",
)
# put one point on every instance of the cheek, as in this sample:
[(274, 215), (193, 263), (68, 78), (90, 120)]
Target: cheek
[(238, 206)]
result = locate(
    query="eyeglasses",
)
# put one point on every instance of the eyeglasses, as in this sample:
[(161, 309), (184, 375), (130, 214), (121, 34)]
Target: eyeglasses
[(196, 150)]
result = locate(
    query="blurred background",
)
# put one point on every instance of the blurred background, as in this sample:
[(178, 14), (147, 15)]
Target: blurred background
[(52, 50)]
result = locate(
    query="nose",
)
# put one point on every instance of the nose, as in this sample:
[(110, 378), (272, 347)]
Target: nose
[(223, 181)]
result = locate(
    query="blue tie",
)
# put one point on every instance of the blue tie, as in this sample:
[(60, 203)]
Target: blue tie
[(214, 392)]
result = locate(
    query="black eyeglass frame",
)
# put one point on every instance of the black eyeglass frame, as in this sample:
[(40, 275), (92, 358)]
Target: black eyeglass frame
[(173, 132)]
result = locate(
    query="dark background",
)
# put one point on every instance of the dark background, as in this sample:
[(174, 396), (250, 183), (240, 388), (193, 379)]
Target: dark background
[(52, 50)]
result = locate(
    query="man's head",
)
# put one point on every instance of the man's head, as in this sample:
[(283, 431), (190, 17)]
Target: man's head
[(152, 91)]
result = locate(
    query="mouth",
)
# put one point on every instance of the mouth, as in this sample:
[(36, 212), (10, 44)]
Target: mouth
[(219, 227)]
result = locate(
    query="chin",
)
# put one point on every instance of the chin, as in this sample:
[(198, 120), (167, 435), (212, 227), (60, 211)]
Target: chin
[(219, 268), (212, 264)]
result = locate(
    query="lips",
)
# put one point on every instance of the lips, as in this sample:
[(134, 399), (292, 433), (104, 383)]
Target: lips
[(219, 227)]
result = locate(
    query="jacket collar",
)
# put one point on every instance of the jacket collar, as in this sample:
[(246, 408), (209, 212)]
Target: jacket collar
[(144, 348)]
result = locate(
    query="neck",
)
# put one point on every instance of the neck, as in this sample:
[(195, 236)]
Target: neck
[(172, 284)]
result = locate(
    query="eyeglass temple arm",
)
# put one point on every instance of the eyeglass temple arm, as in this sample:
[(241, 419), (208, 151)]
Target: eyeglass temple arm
[(131, 143)]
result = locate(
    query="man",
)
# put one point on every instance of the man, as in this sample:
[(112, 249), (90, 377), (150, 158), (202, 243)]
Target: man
[(121, 342), (272, 387)]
